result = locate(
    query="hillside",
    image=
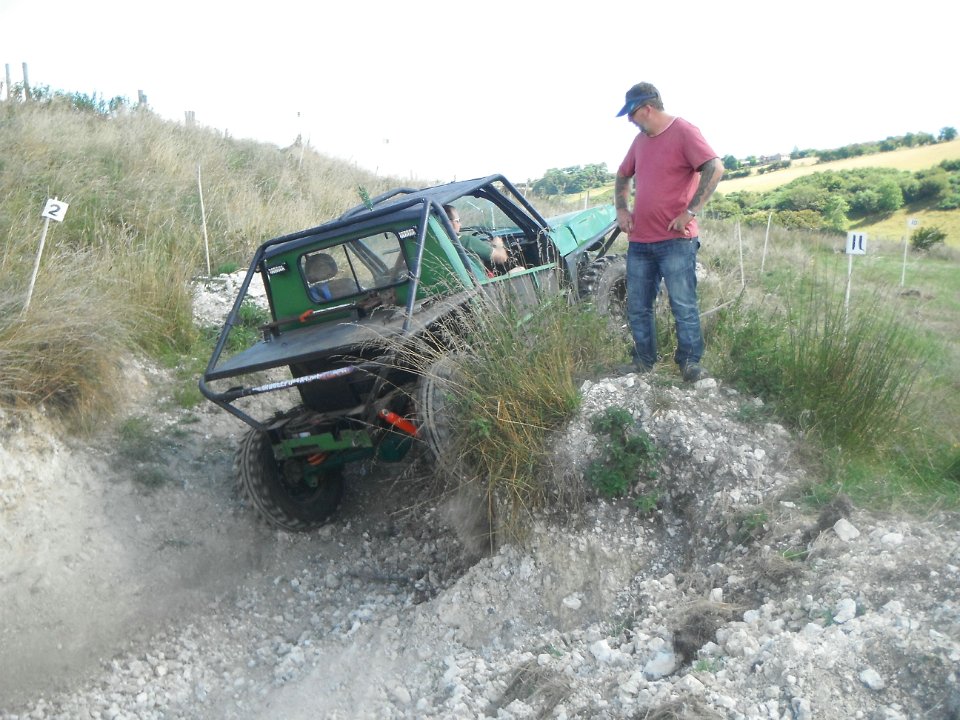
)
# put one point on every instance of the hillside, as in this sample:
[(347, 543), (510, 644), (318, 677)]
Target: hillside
[(734, 583), (910, 159)]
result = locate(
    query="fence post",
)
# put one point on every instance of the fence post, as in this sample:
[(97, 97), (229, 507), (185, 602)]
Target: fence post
[(766, 238), (903, 269), (203, 219), (8, 85), (743, 276), (26, 83)]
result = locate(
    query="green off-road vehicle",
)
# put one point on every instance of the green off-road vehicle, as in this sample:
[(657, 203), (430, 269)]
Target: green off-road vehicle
[(344, 295)]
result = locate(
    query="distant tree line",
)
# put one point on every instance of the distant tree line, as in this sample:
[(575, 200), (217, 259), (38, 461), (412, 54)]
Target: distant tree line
[(829, 200), (891, 143), (736, 168), (573, 179)]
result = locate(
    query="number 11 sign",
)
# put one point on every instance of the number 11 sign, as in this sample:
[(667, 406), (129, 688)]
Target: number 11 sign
[(856, 243)]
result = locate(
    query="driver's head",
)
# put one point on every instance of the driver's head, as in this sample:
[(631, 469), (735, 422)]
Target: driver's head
[(454, 216)]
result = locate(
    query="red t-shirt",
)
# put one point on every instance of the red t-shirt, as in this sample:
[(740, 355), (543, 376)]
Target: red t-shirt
[(664, 169)]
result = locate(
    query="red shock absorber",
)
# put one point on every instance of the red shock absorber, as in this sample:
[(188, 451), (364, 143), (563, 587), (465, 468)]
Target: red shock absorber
[(401, 423)]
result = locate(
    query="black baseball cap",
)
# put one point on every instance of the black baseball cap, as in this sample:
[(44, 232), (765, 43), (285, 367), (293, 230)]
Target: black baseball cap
[(639, 93)]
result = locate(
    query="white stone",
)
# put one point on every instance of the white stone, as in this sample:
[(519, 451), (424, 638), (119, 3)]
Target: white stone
[(892, 539), (602, 651), (845, 611), (845, 530), (572, 601), (660, 665), (871, 678), (401, 694)]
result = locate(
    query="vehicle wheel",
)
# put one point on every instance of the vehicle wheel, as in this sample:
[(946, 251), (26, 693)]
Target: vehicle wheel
[(604, 283), (291, 495), (435, 404)]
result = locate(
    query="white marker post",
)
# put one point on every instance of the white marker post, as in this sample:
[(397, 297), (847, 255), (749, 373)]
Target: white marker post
[(203, 219), (766, 239), (53, 210), (856, 245), (912, 224)]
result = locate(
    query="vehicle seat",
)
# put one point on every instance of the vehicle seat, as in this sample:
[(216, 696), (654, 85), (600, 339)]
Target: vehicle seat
[(319, 267), (320, 270)]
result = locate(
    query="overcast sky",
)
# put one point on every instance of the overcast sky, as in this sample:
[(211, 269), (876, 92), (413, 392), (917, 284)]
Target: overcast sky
[(439, 89)]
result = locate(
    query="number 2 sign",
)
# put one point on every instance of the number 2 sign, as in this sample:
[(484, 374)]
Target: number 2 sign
[(55, 209)]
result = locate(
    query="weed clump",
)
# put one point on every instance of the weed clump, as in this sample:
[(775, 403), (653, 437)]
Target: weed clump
[(629, 455)]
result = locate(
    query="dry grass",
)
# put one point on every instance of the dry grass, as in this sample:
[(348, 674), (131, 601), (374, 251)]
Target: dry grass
[(64, 352), (514, 381), (121, 261)]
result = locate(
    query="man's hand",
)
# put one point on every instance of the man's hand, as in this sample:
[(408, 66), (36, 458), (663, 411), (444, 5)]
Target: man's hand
[(679, 224), (625, 220), (498, 253)]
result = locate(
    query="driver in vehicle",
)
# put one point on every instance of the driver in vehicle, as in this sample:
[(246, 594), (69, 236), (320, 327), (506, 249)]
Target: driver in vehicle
[(492, 252)]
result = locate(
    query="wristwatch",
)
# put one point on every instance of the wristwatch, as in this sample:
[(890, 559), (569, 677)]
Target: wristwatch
[(692, 213)]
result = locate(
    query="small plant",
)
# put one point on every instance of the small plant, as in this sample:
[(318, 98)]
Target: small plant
[(364, 197), (151, 476), (247, 329), (826, 616), (139, 446), (137, 439), (552, 651), (225, 268), (795, 554), (647, 503), (754, 413), (925, 238), (752, 526), (630, 453), (708, 665), (952, 471)]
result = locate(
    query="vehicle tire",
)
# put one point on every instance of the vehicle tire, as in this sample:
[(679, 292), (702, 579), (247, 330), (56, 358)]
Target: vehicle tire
[(279, 491), (435, 406), (604, 284)]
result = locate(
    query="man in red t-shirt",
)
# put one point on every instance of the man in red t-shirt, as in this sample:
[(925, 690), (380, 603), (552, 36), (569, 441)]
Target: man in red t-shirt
[(675, 172)]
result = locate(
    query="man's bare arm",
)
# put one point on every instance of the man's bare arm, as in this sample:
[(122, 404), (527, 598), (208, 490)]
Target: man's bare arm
[(621, 193), (621, 188), (710, 174)]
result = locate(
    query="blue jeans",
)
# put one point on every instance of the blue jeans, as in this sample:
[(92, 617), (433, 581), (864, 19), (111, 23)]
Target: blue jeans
[(675, 261)]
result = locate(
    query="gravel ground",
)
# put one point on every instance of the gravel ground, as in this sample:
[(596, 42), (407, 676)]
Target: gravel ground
[(134, 583)]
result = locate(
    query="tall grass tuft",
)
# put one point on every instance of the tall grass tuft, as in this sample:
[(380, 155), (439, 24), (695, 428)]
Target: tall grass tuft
[(844, 376), (65, 352), (518, 372)]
